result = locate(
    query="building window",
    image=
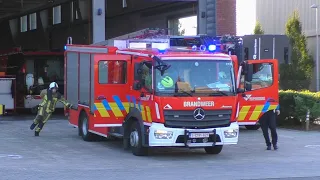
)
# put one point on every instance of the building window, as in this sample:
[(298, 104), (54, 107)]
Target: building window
[(112, 72), (23, 23), (33, 21), (56, 14), (124, 3), (74, 16)]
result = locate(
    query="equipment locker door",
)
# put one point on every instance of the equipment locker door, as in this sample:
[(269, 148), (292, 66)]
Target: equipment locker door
[(110, 89), (261, 92)]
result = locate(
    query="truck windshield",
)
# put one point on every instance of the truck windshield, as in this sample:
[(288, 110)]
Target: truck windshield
[(196, 77)]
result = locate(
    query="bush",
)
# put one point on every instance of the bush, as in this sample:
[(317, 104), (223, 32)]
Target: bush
[(294, 106)]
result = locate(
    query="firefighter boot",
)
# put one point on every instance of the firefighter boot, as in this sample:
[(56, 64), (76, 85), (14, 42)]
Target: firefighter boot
[(36, 133), (275, 147), (33, 125), (268, 147)]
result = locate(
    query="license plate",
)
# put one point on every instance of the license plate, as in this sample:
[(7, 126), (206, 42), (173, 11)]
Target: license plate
[(199, 135)]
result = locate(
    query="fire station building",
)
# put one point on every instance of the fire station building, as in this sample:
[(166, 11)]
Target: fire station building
[(273, 15), (46, 25), (33, 34)]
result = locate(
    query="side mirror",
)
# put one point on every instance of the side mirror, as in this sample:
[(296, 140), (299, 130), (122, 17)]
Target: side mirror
[(138, 71), (248, 86), (137, 85), (240, 90), (249, 72)]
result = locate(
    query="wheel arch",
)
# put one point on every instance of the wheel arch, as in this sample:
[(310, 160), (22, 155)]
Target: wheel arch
[(134, 115)]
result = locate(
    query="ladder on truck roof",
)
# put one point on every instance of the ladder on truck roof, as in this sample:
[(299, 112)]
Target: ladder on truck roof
[(157, 38), (145, 38)]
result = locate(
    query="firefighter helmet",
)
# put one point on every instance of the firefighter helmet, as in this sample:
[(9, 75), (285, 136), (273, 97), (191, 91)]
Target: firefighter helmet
[(53, 85), (167, 82)]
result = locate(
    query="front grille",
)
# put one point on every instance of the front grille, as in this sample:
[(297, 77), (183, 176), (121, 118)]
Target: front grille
[(185, 119), (180, 139)]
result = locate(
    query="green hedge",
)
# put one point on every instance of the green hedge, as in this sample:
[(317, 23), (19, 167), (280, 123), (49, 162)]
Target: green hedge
[(294, 106)]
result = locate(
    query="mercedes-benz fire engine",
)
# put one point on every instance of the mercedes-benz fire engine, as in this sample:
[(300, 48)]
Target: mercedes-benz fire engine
[(153, 95)]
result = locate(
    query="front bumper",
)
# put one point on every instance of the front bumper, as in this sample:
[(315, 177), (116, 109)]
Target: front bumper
[(159, 135)]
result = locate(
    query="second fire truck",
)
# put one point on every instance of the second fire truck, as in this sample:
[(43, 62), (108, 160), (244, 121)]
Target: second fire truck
[(152, 95)]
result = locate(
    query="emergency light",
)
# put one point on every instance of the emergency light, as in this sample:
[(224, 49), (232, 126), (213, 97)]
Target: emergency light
[(160, 46), (212, 47)]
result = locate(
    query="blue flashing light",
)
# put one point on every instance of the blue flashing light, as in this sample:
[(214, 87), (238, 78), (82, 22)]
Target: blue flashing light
[(212, 47), (203, 48), (162, 47), (65, 47), (162, 50)]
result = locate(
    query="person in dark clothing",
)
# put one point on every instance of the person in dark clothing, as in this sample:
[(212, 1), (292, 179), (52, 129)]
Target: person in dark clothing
[(268, 121)]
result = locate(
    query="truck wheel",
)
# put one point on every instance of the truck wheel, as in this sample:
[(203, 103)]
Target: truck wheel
[(252, 127), (136, 140), (84, 128), (213, 150)]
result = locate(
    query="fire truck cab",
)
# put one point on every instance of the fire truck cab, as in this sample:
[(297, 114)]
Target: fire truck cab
[(152, 95)]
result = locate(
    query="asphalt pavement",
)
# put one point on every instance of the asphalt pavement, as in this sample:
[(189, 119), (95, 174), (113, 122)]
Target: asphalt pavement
[(60, 154)]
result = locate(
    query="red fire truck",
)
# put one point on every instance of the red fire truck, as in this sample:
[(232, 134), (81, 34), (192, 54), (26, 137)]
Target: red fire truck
[(23, 74), (152, 95)]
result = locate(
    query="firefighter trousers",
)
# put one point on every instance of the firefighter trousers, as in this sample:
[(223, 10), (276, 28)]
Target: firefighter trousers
[(41, 119), (268, 121)]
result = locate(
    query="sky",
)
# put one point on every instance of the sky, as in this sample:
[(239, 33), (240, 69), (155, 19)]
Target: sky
[(246, 19)]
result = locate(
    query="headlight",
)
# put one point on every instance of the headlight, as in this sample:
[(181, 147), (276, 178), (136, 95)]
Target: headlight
[(231, 133), (162, 134)]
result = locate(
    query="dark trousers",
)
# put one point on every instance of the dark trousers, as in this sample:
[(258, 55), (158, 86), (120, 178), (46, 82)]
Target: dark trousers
[(268, 121)]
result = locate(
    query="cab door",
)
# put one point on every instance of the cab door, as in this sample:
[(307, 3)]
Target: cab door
[(142, 99), (110, 89), (261, 92)]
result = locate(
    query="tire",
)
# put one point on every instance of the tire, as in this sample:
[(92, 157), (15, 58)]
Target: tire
[(213, 150), (252, 127), (84, 128), (135, 140)]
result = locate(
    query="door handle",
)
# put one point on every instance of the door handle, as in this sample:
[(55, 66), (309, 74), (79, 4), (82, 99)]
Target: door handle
[(100, 98)]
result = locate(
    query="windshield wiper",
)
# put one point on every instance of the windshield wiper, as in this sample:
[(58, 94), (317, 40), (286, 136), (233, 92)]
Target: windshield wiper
[(218, 93), (181, 92)]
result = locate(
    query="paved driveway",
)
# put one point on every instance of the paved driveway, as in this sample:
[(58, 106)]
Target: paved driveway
[(59, 154)]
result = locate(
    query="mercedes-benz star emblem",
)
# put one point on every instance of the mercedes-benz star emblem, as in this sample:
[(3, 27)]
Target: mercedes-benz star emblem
[(198, 114)]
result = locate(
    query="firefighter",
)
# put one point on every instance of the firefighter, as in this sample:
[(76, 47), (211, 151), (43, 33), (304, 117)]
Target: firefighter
[(268, 121), (49, 97)]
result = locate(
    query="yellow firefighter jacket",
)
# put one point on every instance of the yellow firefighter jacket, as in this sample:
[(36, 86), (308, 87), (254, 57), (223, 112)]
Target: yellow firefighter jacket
[(49, 100)]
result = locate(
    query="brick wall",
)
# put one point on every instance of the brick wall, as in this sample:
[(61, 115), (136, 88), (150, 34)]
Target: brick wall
[(226, 17)]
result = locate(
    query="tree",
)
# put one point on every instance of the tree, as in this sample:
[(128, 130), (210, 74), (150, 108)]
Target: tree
[(296, 75), (258, 28), (181, 30)]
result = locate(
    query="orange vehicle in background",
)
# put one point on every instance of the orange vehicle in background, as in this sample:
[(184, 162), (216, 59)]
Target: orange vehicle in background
[(24, 74), (152, 95)]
